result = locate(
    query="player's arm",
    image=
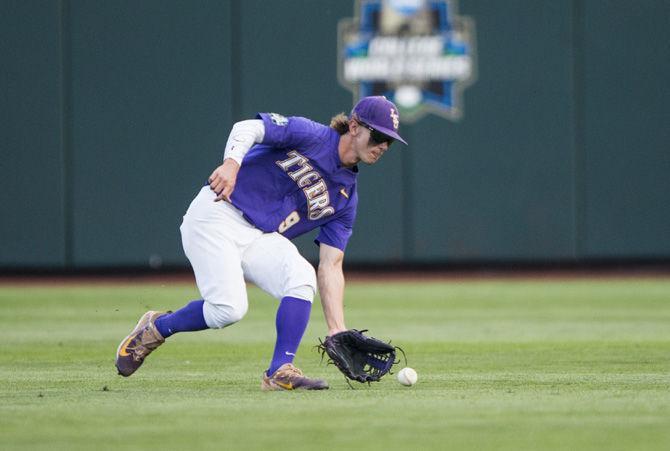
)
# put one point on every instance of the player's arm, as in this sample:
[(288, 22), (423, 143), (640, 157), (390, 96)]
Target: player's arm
[(331, 287), (243, 135)]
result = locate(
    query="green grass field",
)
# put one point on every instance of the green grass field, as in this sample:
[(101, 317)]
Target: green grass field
[(503, 364)]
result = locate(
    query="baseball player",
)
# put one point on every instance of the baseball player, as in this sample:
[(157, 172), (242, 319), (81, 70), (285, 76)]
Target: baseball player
[(280, 178)]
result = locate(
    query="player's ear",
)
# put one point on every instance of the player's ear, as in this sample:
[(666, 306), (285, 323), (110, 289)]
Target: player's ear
[(353, 127)]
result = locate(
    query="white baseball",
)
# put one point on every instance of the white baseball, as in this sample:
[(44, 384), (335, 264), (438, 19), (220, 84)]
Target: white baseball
[(407, 376)]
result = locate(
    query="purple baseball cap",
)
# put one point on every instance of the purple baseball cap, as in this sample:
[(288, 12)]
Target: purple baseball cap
[(379, 113)]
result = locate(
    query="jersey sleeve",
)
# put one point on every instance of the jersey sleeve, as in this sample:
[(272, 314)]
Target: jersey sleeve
[(336, 233), (292, 132)]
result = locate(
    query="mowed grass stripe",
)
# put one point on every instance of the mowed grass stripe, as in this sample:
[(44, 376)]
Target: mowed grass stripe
[(536, 364)]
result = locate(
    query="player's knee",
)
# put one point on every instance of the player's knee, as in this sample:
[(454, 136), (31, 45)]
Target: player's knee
[(237, 313), (218, 316), (302, 282)]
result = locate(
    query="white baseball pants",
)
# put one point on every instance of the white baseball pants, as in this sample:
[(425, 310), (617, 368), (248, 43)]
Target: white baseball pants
[(225, 250)]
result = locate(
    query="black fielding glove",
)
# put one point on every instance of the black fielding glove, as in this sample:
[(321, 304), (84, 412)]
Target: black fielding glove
[(359, 357)]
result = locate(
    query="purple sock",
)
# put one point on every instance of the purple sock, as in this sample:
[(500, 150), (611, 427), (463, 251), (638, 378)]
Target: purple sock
[(291, 322), (188, 318)]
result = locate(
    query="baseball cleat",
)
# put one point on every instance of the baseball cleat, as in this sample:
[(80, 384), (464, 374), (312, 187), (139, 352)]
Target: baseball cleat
[(288, 377), (139, 344)]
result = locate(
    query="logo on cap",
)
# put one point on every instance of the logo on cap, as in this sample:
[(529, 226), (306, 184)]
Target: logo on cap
[(396, 119)]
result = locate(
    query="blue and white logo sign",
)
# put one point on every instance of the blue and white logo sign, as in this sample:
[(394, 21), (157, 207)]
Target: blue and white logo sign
[(418, 53)]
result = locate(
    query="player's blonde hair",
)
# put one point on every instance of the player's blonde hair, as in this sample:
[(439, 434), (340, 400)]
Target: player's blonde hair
[(340, 123)]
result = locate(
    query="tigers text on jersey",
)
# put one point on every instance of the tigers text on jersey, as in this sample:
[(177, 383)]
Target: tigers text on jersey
[(294, 182)]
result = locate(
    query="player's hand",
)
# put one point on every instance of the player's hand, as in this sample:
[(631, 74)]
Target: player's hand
[(332, 332), (222, 180)]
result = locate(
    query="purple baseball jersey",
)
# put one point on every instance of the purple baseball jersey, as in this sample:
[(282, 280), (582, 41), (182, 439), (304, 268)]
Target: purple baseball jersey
[(294, 182)]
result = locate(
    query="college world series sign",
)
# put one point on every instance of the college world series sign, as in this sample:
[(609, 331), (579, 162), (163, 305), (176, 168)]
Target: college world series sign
[(418, 53)]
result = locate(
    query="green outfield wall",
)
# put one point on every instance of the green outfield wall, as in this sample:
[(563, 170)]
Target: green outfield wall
[(113, 114)]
